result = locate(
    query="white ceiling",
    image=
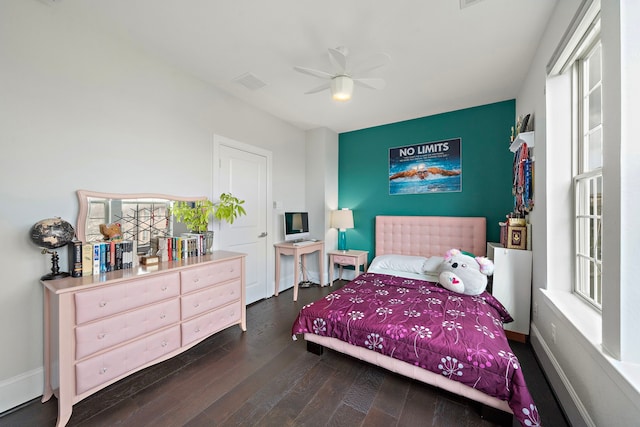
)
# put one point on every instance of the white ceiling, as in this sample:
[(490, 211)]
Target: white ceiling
[(443, 57)]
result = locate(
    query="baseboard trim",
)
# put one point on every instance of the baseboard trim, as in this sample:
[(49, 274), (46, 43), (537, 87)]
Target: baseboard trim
[(573, 407), (20, 389)]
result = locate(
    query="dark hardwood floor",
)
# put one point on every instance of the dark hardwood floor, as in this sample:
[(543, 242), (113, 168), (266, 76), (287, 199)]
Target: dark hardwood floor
[(262, 377)]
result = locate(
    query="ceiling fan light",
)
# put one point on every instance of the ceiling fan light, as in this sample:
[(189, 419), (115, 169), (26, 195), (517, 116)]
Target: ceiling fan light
[(341, 88)]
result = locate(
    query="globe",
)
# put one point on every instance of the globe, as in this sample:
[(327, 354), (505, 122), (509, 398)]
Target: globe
[(52, 233), (49, 234)]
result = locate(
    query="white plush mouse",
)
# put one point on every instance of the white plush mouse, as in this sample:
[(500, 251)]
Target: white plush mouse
[(463, 273)]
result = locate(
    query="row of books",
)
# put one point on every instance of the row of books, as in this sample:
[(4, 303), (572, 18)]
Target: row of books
[(87, 258), (172, 248)]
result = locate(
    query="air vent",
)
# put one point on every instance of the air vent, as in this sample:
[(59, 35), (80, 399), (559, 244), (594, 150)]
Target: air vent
[(250, 81), (467, 3)]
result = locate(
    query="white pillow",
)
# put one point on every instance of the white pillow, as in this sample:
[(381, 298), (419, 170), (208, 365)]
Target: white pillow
[(408, 263), (432, 264)]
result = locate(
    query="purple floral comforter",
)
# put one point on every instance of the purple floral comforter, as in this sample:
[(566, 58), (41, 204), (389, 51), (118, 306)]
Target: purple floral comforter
[(458, 336)]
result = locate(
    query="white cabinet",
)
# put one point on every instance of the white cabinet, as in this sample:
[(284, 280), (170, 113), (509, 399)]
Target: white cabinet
[(512, 286)]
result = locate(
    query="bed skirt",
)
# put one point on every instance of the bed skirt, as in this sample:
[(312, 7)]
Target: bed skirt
[(410, 371)]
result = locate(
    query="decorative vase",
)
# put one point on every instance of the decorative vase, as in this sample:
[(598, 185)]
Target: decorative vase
[(208, 241)]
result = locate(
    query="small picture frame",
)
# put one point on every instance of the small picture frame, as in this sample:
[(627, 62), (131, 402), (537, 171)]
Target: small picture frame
[(516, 237)]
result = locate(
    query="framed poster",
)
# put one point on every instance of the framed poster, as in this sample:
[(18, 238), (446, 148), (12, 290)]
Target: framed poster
[(429, 167)]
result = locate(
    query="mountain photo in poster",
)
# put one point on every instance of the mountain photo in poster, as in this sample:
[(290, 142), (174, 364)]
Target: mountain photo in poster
[(430, 167)]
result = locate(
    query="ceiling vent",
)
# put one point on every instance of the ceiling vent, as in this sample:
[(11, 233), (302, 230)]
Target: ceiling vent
[(467, 3), (250, 81)]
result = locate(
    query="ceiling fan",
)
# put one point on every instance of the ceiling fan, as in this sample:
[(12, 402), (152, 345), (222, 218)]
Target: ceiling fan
[(342, 80)]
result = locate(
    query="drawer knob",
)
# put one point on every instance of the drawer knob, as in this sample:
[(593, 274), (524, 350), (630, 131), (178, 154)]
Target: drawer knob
[(103, 303), (101, 335), (164, 288), (103, 370), (198, 329), (162, 315), (164, 343), (196, 304)]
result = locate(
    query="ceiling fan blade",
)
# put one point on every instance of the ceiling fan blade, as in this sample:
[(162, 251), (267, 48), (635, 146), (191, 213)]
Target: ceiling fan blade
[(320, 88), (338, 58), (372, 83), (314, 73), (375, 61)]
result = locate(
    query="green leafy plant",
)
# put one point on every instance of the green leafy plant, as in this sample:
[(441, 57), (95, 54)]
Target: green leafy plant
[(229, 208), (195, 215)]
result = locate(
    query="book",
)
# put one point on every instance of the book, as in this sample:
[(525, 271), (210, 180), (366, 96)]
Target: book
[(128, 251), (112, 256), (103, 257), (135, 261), (75, 258), (107, 256), (96, 258), (118, 256), (87, 259), (198, 240)]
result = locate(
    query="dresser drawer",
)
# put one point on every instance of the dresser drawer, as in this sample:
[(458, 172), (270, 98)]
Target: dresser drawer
[(344, 260), (205, 276), (110, 331), (211, 322), (107, 300), (210, 298), (104, 367)]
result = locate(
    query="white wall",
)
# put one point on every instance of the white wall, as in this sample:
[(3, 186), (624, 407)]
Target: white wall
[(593, 387), (322, 186), (79, 110)]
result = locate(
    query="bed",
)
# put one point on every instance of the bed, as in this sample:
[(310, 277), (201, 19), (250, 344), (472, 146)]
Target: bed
[(395, 317)]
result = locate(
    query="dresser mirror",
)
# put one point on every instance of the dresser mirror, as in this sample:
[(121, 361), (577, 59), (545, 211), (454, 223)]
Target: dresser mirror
[(141, 216)]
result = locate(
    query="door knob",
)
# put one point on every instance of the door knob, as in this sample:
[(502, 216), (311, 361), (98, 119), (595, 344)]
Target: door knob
[(263, 234)]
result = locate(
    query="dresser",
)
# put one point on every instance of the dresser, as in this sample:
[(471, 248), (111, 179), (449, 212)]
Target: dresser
[(100, 329)]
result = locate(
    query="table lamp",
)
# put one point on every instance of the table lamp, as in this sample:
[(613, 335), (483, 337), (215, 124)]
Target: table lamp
[(342, 219)]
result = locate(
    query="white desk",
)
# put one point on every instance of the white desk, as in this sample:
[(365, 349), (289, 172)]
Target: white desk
[(298, 252)]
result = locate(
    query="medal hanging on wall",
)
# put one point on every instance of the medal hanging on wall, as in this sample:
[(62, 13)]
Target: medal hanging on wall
[(522, 180)]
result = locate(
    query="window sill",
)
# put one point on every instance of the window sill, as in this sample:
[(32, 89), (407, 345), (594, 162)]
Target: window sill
[(588, 325)]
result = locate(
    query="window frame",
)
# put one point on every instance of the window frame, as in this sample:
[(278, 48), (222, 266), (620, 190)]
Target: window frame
[(587, 240)]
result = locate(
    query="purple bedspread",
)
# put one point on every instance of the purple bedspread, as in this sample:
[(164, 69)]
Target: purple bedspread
[(458, 336)]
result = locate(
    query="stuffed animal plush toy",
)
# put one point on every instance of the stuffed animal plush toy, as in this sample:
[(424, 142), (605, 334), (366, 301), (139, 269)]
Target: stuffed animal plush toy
[(111, 231), (463, 273)]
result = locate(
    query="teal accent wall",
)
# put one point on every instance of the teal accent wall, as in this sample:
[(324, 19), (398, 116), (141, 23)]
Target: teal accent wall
[(363, 174)]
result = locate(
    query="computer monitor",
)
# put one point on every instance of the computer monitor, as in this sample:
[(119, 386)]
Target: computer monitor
[(296, 226)]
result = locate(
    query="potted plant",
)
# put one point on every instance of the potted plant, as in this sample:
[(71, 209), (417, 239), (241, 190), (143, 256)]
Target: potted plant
[(195, 215), (228, 208)]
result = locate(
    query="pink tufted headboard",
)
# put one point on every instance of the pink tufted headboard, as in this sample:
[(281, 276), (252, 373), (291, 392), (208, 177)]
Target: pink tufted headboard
[(430, 235)]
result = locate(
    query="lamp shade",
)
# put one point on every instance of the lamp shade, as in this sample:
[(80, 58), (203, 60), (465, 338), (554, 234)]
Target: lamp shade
[(342, 219), (341, 88)]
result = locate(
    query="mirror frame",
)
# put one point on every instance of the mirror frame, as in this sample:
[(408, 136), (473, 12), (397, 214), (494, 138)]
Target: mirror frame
[(83, 203)]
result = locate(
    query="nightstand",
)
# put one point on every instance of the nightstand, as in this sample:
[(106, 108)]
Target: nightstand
[(350, 257)]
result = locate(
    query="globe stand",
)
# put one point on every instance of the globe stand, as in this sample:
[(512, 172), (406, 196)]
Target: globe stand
[(55, 267)]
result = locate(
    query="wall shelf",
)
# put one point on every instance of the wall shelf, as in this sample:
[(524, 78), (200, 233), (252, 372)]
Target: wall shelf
[(526, 137)]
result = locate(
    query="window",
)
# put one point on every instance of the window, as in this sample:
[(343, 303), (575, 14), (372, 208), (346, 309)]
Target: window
[(587, 176)]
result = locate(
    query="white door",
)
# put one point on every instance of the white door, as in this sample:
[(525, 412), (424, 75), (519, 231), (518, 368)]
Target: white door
[(244, 171)]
